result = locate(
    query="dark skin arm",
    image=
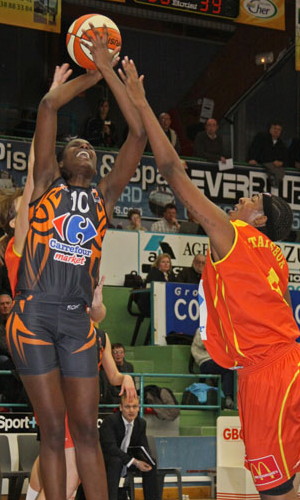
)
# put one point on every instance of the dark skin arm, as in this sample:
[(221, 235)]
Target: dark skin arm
[(46, 167), (131, 151), (214, 221)]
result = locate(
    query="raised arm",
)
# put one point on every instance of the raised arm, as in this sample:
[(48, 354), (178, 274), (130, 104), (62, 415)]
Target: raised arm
[(61, 74), (212, 218), (131, 151), (45, 167), (113, 374)]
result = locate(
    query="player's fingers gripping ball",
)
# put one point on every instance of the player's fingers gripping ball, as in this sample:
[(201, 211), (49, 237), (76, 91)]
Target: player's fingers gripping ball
[(79, 30)]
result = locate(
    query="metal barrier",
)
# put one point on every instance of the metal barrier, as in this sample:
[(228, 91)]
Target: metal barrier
[(141, 385)]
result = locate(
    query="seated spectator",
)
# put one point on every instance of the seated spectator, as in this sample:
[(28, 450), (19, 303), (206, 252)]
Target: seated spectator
[(192, 274), (111, 393), (208, 144), (209, 366), (165, 122), (169, 222), (100, 130), (6, 303), (117, 432), (294, 153), (268, 149), (118, 353), (161, 269), (135, 224)]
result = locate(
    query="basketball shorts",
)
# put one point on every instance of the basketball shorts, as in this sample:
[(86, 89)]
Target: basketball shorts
[(269, 403), (42, 336)]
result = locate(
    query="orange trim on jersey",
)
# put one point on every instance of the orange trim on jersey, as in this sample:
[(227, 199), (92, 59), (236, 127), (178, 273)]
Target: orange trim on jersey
[(16, 334)]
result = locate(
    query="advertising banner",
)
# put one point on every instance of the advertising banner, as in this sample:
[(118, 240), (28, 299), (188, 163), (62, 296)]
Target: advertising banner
[(263, 13), (182, 308), (149, 192), (37, 14)]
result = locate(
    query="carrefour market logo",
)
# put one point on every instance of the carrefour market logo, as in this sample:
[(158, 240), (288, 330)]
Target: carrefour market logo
[(74, 231), (261, 8)]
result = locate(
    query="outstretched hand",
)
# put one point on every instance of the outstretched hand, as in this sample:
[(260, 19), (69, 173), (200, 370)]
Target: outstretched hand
[(132, 81), (61, 75), (97, 46)]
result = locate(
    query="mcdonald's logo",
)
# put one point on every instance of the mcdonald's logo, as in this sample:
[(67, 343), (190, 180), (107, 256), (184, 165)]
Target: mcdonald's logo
[(264, 470)]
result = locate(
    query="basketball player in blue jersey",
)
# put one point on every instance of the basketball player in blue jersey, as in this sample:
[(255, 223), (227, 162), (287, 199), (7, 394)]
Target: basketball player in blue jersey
[(49, 331)]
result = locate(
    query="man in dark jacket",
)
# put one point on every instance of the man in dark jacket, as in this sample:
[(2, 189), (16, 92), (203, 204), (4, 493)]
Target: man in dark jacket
[(268, 149), (117, 432), (192, 274)]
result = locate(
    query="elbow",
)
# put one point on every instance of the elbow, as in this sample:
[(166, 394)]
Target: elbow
[(139, 134), (48, 103)]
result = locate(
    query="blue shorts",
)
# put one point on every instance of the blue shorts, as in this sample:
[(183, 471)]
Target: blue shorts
[(44, 335)]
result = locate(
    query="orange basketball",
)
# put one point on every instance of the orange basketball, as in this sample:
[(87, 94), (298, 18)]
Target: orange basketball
[(80, 54)]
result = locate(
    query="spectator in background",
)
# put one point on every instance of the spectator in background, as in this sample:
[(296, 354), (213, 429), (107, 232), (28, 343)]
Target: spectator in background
[(118, 353), (100, 130), (134, 215), (110, 393), (192, 274), (119, 431), (161, 269), (169, 222), (209, 366), (6, 304), (208, 144), (165, 123), (268, 149)]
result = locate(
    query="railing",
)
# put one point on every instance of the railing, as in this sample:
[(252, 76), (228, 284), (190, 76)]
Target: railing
[(141, 386)]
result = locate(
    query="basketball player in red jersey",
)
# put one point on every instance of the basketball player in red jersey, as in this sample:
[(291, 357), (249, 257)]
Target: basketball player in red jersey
[(245, 317), (50, 333)]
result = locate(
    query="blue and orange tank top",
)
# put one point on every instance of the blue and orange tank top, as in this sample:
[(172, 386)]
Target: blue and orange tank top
[(63, 247)]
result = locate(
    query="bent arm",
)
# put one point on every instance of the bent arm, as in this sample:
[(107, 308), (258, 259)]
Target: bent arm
[(113, 374)]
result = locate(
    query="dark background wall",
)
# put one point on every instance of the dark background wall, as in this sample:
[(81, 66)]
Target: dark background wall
[(182, 62)]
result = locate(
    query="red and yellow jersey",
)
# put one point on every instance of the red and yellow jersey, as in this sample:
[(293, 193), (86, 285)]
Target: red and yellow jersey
[(12, 262), (244, 317), (63, 247)]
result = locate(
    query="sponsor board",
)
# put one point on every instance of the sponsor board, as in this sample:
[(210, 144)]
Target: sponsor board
[(12, 423), (148, 191)]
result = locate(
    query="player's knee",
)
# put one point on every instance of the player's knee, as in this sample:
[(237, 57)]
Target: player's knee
[(84, 432), (281, 489), (53, 434)]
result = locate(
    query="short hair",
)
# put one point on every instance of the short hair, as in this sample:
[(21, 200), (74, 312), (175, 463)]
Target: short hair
[(169, 205), (124, 396), (133, 211), (280, 217), (159, 258), (117, 345)]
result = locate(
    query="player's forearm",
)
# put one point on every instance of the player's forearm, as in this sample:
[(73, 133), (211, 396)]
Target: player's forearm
[(62, 94), (166, 157), (129, 112)]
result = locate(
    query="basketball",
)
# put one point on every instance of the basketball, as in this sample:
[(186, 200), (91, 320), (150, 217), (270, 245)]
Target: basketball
[(80, 54)]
